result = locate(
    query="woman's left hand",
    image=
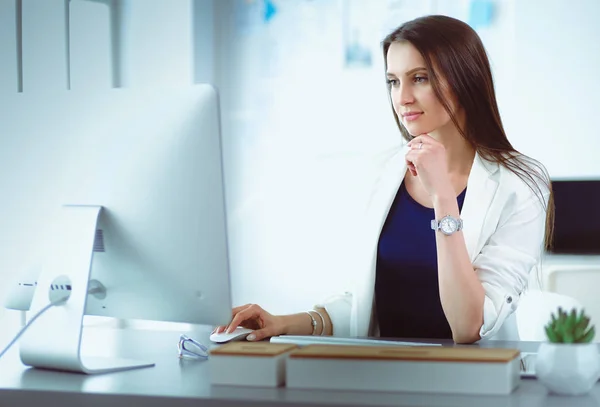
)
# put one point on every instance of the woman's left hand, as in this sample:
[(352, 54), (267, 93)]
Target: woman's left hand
[(426, 159)]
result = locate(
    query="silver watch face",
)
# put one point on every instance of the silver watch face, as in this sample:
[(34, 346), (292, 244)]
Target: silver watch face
[(448, 225)]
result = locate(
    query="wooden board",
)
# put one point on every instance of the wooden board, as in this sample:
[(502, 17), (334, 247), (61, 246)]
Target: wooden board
[(413, 353), (244, 348)]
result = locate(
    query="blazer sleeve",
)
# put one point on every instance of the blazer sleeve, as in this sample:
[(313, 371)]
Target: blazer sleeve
[(339, 309), (506, 260)]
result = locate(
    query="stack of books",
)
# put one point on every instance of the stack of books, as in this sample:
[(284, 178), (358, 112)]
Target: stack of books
[(458, 370), (243, 363)]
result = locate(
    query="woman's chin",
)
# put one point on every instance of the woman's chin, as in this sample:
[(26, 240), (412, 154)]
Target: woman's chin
[(415, 129)]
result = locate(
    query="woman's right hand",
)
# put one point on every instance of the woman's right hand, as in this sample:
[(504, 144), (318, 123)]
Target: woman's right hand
[(252, 316)]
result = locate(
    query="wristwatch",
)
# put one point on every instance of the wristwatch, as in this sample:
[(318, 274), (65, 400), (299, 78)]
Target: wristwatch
[(447, 225)]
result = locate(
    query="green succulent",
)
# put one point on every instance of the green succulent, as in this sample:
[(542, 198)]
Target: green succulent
[(569, 327)]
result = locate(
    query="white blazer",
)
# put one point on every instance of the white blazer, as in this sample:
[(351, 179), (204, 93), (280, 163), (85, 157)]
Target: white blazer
[(504, 224)]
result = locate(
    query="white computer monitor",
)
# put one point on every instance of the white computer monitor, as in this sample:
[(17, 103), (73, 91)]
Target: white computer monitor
[(120, 189)]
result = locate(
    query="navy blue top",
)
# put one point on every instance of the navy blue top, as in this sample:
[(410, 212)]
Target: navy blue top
[(407, 298)]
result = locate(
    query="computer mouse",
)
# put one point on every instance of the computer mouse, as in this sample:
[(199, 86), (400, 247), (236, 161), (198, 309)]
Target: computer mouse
[(238, 334)]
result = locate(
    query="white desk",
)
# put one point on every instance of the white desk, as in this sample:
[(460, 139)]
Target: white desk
[(185, 383), (551, 259)]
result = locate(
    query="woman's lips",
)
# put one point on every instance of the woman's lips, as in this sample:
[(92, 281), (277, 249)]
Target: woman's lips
[(410, 116)]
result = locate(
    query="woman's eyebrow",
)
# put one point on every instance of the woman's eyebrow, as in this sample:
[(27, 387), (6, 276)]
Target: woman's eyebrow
[(408, 73), (420, 68)]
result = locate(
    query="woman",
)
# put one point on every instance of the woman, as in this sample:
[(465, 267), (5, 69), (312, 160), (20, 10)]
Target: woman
[(457, 219)]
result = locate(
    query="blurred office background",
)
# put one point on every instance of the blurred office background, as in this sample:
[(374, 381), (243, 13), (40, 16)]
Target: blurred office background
[(303, 101)]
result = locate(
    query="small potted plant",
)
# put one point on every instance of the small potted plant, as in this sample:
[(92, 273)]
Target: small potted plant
[(569, 363)]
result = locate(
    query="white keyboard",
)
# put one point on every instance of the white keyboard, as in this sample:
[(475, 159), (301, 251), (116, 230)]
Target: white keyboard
[(332, 340)]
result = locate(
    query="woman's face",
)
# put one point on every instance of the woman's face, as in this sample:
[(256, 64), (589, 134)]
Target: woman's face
[(414, 100)]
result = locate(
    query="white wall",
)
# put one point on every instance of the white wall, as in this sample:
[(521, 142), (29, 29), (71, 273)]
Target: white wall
[(8, 47), (44, 35), (291, 108), (90, 29), (159, 42), (557, 86)]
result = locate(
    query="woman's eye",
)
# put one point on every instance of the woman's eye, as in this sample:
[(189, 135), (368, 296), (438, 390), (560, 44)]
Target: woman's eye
[(392, 82), (420, 79)]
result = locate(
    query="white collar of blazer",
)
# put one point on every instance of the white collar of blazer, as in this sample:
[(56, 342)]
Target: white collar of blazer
[(481, 188)]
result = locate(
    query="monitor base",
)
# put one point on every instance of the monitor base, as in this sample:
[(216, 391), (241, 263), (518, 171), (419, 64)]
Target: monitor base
[(53, 341), (94, 364)]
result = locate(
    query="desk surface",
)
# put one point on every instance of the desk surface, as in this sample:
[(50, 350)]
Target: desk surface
[(176, 382), (562, 259)]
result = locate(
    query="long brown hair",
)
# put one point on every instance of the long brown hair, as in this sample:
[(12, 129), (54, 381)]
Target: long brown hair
[(457, 52)]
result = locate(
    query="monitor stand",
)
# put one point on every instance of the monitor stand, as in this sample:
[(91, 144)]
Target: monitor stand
[(53, 341)]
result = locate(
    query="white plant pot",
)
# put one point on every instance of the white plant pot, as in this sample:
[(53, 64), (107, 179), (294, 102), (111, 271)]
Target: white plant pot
[(568, 368)]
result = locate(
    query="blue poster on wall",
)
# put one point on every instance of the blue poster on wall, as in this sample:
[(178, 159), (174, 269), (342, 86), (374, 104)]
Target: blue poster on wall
[(481, 13), (252, 15), (269, 10)]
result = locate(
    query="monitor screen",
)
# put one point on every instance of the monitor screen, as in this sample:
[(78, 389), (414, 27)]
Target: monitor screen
[(576, 224)]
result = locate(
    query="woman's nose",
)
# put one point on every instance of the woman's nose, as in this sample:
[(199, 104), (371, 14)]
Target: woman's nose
[(405, 95)]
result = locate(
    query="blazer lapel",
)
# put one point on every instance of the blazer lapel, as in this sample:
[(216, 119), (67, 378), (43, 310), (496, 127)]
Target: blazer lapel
[(385, 191), (481, 188), (381, 200)]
